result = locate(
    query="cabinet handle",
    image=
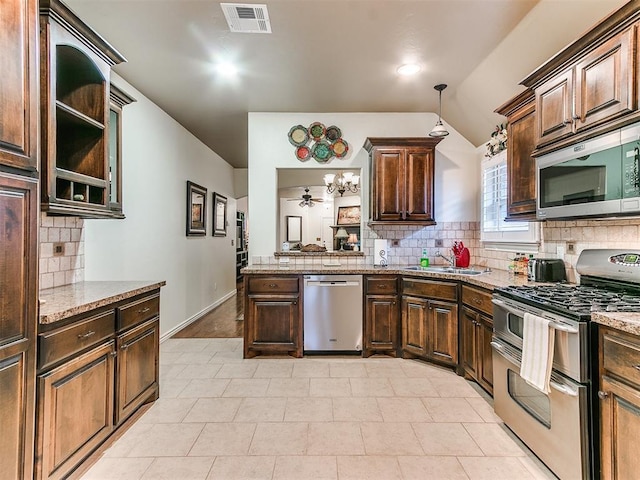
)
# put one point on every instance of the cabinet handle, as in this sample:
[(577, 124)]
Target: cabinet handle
[(568, 121), (576, 116), (273, 285), (86, 335), (113, 354), (295, 303), (477, 300), (393, 303), (602, 395), (144, 310), (637, 367), (125, 346)]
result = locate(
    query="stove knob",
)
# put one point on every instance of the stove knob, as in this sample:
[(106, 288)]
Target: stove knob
[(602, 395)]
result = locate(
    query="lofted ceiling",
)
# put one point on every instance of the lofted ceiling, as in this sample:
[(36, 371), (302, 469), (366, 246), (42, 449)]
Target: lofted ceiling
[(335, 56)]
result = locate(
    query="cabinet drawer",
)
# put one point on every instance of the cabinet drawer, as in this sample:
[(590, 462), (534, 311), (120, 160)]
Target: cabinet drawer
[(430, 289), (136, 312), (621, 356), (379, 285), (273, 285), (64, 342), (476, 298)]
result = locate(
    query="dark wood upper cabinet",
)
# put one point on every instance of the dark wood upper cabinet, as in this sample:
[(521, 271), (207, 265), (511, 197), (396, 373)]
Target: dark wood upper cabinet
[(591, 86), (19, 84), (402, 180), (521, 165), (75, 108)]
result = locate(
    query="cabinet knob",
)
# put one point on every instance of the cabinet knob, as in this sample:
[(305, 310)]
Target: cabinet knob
[(602, 395), (144, 310), (393, 303), (576, 116), (273, 285), (477, 300), (124, 346), (113, 354), (295, 303), (86, 335)]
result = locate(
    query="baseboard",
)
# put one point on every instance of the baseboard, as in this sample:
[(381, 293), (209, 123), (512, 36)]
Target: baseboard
[(197, 316)]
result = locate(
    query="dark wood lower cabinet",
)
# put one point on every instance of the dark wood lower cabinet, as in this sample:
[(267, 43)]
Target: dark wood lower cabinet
[(476, 355), (415, 326), (381, 315), (75, 410)]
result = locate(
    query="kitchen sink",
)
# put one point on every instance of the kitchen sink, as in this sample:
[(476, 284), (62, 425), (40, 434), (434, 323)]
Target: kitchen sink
[(456, 270)]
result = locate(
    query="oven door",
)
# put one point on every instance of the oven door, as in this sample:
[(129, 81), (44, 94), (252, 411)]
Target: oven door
[(571, 340), (553, 426)]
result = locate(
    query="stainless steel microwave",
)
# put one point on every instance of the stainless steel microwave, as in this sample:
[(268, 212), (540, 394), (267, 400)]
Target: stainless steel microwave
[(598, 177)]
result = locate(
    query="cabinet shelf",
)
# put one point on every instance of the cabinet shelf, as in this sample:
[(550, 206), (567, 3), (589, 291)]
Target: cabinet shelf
[(75, 116)]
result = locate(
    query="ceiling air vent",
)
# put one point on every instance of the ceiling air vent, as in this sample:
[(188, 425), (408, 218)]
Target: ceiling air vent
[(246, 18)]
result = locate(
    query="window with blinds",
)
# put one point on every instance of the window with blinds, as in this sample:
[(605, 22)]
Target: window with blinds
[(494, 206)]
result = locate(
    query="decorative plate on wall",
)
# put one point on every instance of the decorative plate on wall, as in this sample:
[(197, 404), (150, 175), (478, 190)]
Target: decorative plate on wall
[(321, 151), (339, 148), (318, 141), (303, 153), (332, 133), (317, 130), (298, 136)]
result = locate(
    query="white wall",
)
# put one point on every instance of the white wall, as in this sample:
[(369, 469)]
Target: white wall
[(159, 156), (456, 170)]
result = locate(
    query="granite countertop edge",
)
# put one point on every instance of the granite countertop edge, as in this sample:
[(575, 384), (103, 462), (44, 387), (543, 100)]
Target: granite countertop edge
[(623, 321), (62, 302)]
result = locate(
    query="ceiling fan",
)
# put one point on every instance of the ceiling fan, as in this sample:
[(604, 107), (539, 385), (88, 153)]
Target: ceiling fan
[(307, 199)]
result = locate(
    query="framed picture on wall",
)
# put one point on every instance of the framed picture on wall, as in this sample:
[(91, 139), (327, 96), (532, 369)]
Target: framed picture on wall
[(219, 215), (196, 210), (294, 228), (348, 215)]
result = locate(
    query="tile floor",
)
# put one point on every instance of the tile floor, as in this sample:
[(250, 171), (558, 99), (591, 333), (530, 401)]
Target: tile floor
[(222, 417)]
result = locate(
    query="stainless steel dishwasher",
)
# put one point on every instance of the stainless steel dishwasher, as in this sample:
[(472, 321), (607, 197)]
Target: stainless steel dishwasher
[(332, 313)]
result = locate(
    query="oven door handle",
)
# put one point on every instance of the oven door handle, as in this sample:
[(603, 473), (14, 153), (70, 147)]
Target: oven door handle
[(557, 325), (563, 389), (499, 348), (563, 328)]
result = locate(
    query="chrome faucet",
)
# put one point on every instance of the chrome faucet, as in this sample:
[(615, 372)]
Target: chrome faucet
[(451, 260)]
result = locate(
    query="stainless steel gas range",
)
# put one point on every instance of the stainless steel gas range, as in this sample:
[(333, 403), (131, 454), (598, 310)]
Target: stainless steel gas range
[(559, 427)]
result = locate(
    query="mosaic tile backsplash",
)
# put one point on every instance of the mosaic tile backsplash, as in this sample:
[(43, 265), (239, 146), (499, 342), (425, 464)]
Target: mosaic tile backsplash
[(68, 267)]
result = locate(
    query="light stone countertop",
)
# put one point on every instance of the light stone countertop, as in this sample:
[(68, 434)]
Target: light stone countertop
[(488, 280), (624, 321), (62, 302)]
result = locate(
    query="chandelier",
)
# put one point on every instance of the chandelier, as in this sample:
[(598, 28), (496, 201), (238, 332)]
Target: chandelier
[(344, 182)]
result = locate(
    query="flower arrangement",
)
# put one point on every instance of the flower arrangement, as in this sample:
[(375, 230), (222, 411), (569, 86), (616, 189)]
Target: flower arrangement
[(498, 140)]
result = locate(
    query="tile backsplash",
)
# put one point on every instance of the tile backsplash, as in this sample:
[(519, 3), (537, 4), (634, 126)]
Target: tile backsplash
[(58, 269)]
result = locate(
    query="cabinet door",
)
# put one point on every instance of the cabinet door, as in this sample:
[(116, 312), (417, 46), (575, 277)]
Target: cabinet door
[(443, 332), (521, 166), (419, 185), (620, 429), (554, 108), (387, 188), (414, 326), (75, 411), (19, 85), (381, 324), (469, 354), (18, 310), (273, 324), (605, 81), (137, 368), (485, 353)]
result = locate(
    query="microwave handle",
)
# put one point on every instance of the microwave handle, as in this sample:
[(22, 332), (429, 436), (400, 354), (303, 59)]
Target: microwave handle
[(556, 325)]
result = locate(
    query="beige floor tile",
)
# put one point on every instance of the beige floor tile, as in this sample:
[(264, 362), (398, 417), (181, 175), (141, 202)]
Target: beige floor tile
[(420, 369), (172, 387), (184, 345), (194, 357), (166, 440), (118, 469), (307, 467), (237, 370), (400, 409), (451, 410), (204, 387), (231, 356), (432, 468), (242, 468), (168, 410), (347, 370), (385, 370), (309, 410), (183, 468), (484, 408), (371, 387), (413, 387), (307, 369), (445, 439), (390, 439), (453, 386), (493, 440), (536, 468), (221, 345), (288, 387), (273, 369), (210, 410), (352, 409), (261, 410), (122, 446), (494, 468), (200, 370), (279, 439), (247, 387), (170, 358), (170, 370), (368, 467), (335, 438), (223, 439), (329, 387)]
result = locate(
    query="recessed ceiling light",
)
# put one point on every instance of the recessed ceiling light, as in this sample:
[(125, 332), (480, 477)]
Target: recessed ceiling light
[(408, 69), (227, 69)]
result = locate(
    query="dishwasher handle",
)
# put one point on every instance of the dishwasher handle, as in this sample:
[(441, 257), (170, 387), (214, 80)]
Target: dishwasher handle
[(331, 283)]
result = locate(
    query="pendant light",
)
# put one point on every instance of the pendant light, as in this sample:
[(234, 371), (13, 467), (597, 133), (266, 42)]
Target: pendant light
[(439, 130)]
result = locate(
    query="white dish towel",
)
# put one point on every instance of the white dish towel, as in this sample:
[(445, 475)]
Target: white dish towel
[(537, 351)]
